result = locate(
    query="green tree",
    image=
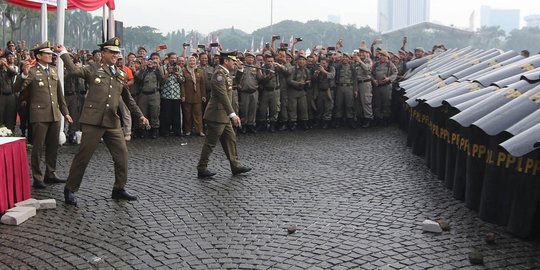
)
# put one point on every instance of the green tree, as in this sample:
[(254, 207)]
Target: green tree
[(145, 36), (488, 37), (523, 39)]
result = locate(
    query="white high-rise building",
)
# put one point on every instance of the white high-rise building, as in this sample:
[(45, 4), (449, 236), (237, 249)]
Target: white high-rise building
[(393, 14), (532, 20), (507, 19)]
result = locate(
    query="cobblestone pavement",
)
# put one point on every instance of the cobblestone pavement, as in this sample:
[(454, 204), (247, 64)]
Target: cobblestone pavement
[(357, 197)]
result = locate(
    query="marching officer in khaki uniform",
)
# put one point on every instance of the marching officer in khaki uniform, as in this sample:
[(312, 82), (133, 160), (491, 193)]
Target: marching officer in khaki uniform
[(365, 92), (218, 116), (384, 73), (47, 105), (99, 118)]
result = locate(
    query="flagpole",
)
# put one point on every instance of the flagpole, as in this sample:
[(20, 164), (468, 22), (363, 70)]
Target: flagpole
[(60, 24), (111, 32), (271, 16), (104, 24), (43, 22)]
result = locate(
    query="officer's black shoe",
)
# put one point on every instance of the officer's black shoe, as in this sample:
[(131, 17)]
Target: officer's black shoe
[(337, 123), (272, 127), (306, 125), (53, 180), (315, 123), (243, 130), (293, 126), (241, 170), (282, 127), (351, 123), (375, 122), (72, 139), (385, 122), (69, 197), (121, 194), (251, 129), (325, 124), (39, 184), (142, 134), (261, 125), (368, 123), (154, 133), (205, 174)]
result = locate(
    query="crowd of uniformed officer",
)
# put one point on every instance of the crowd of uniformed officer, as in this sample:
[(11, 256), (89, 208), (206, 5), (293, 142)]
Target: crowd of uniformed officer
[(276, 89)]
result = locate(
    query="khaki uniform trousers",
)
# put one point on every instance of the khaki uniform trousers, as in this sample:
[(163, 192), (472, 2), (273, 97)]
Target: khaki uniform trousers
[(382, 99), (225, 134), (297, 107), (325, 104), (149, 105), (248, 107), (44, 133), (72, 102), (364, 102), (115, 142), (344, 103), (268, 104)]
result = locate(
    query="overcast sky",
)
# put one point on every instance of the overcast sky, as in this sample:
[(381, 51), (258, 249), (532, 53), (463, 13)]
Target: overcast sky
[(250, 15)]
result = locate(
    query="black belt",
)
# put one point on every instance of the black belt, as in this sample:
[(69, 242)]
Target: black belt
[(363, 81), (7, 94), (345, 84), (82, 93), (149, 93), (69, 94)]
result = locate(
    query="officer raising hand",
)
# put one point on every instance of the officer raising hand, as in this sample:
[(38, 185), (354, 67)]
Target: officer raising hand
[(99, 118)]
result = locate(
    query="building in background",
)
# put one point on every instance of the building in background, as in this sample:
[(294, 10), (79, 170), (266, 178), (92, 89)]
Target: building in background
[(507, 19), (394, 14), (532, 20)]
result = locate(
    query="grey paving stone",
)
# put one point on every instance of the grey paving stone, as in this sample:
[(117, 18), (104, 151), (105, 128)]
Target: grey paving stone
[(357, 198)]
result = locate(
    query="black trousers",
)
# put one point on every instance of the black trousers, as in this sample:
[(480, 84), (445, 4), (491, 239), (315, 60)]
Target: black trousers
[(170, 117)]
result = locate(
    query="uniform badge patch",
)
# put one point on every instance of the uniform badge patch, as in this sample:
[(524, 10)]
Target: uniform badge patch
[(219, 78)]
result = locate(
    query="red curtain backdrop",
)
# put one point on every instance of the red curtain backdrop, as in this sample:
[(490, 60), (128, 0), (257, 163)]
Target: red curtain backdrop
[(88, 5), (14, 174)]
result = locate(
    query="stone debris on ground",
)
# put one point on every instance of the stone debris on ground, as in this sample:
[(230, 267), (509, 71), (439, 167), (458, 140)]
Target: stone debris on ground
[(29, 203), (18, 215), (25, 210), (291, 229), (47, 204), (431, 226), (490, 238)]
